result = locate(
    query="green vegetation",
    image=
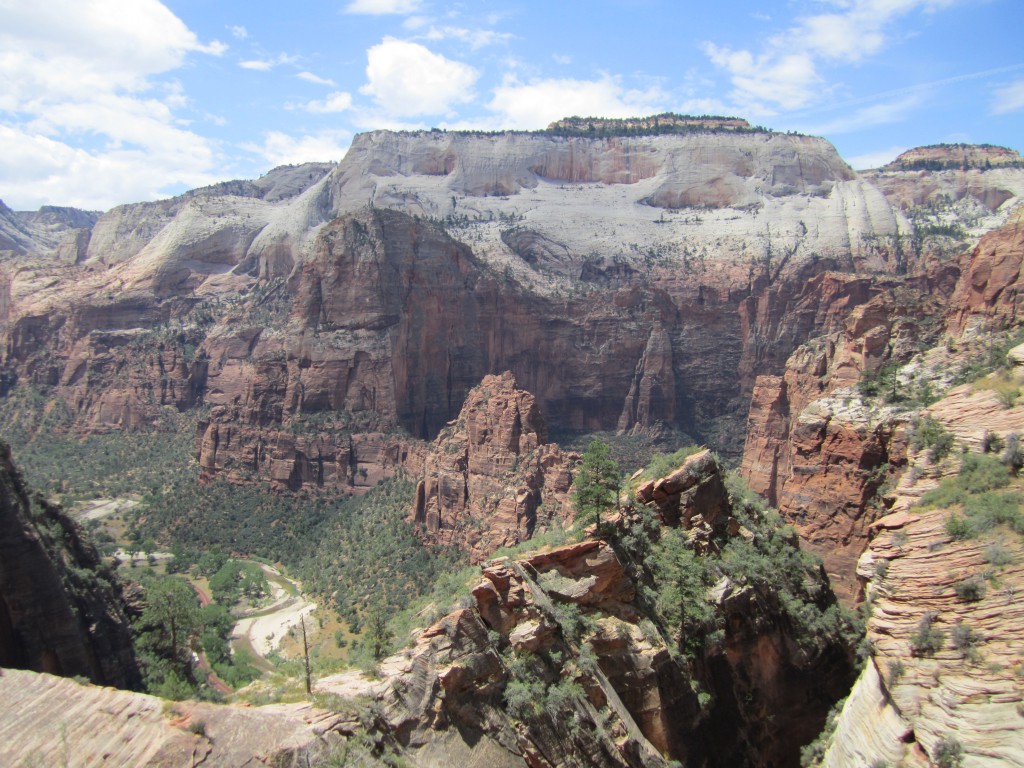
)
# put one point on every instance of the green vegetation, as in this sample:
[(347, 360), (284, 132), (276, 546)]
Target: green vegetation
[(597, 482), (978, 491), (57, 462), (369, 562), (949, 753), (927, 639), (662, 464), (656, 125), (812, 754), (928, 432)]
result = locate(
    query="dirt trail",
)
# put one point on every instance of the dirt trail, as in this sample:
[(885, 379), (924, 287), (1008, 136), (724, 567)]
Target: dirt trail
[(262, 631)]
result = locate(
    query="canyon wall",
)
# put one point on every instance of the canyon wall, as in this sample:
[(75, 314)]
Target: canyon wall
[(61, 609)]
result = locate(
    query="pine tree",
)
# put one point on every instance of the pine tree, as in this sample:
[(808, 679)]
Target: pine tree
[(596, 483)]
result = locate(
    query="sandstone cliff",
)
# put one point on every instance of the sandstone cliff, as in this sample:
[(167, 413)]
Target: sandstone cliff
[(959, 682), (491, 479), (317, 314), (60, 609)]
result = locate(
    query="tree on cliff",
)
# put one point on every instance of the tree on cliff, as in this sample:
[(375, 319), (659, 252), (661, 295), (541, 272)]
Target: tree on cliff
[(596, 486)]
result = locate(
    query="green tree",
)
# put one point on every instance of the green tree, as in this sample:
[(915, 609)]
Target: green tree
[(597, 482), (378, 635), (171, 618)]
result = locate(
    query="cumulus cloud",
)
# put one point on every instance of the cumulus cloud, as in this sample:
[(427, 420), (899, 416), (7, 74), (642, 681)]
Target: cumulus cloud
[(535, 104), (382, 7), (238, 32), (89, 121), (280, 148), (1009, 99), (407, 79)]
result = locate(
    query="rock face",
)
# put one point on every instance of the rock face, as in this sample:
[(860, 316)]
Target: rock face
[(60, 608), (693, 497), (491, 479), (507, 676), (626, 281), (812, 449), (94, 726), (990, 291), (906, 702)]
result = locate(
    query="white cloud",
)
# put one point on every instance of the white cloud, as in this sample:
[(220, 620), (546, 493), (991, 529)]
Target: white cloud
[(561, 58), (535, 104), (265, 65), (876, 159), (238, 32), (407, 79), (381, 7), (335, 102), (474, 38), (785, 73), (789, 81), (282, 149), (89, 121), (1009, 99), (309, 77)]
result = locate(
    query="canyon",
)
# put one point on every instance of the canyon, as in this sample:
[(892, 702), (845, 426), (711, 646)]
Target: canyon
[(414, 309)]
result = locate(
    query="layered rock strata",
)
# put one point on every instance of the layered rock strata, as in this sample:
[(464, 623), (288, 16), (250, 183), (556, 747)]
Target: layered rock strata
[(102, 726), (491, 479), (966, 687)]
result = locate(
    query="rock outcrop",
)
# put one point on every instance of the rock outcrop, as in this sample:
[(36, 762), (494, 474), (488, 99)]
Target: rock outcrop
[(61, 609), (939, 157), (960, 682), (491, 479), (555, 661), (102, 726), (812, 447), (990, 292)]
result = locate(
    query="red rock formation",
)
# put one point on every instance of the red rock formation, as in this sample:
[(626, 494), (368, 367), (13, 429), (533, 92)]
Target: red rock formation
[(992, 289), (451, 682), (491, 479), (820, 459)]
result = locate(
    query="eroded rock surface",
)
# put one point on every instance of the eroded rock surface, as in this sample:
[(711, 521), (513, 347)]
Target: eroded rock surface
[(491, 479)]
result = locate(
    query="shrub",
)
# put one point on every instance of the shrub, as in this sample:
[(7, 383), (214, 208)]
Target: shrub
[(959, 528), (928, 432), (991, 442), (998, 555), (949, 753), (970, 590), (895, 672), (927, 639), (964, 638)]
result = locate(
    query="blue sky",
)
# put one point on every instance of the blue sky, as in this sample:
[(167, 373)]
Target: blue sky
[(111, 101)]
